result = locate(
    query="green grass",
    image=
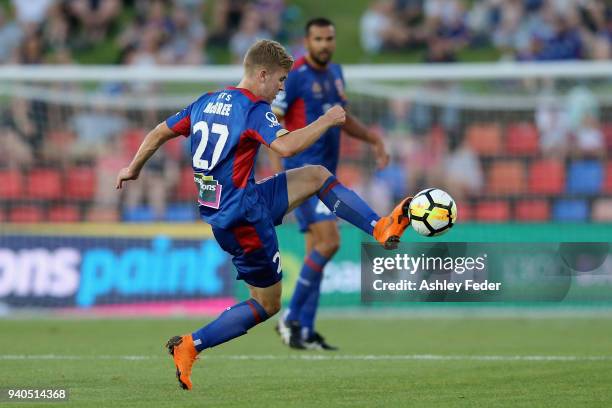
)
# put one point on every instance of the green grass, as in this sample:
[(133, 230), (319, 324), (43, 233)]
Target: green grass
[(100, 378)]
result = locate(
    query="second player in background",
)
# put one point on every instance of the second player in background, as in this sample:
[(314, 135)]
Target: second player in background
[(314, 85)]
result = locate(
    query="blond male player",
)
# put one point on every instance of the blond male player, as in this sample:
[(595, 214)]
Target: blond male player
[(225, 130)]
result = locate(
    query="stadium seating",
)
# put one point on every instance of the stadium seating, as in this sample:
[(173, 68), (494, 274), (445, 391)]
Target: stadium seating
[(181, 212), (585, 177), (131, 140), (607, 131), (350, 175), (493, 211), (602, 210), (506, 177), (138, 214), (465, 211), (44, 184), (608, 182), (174, 148), (532, 210), (186, 189), (485, 139), (522, 139), (102, 215), (547, 177), (26, 214), (64, 213), (571, 210), (80, 183), (351, 149), (11, 186)]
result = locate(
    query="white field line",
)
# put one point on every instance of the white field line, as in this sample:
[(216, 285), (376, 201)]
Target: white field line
[(314, 357)]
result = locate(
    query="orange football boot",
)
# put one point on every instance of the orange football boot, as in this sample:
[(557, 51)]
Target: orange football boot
[(389, 229), (184, 354)]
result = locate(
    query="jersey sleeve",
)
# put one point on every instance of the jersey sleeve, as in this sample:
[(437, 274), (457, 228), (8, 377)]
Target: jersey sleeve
[(180, 122), (285, 98), (263, 124)]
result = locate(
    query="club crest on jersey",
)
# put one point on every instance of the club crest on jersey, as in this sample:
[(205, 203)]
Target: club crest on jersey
[(272, 119)]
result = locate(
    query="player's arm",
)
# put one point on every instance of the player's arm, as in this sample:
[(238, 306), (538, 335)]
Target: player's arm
[(273, 157), (294, 142), (153, 141), (355, 129)]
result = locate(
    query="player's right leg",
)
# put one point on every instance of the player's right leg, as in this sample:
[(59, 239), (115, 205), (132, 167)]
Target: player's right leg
[(235, 321), (257, 260), (309, 180)]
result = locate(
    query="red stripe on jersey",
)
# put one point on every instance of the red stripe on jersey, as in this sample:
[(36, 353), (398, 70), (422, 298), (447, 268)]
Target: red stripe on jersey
[(247, 238), (296, 115), (183, 126), (254, 311), (246, 93), (244, 160)]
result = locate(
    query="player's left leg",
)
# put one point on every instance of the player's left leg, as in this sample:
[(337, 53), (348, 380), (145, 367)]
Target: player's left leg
[(234, 322)]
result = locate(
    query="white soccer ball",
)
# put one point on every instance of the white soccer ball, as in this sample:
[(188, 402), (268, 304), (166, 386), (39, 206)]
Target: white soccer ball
[(432, 212)]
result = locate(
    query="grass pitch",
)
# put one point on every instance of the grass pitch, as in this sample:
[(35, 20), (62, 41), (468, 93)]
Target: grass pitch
[(416, 362)]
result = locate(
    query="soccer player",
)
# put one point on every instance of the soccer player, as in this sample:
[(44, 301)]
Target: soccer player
[(226, 129), (314, 85)]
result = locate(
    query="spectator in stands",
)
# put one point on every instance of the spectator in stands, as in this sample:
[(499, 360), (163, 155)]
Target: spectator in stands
[(446, 30), (271, 12), (463, 175), (380, 29), (15, 151), (250, 31), (95, 17), (56, 29), (95, 130), (31, 13), (583, 113), (11, 35), (31, 51), (553, 127), (187, 39), (158, 179), (227, 17), (565, 42)]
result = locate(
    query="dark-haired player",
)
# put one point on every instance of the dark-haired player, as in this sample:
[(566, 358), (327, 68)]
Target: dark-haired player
[(314, 85)]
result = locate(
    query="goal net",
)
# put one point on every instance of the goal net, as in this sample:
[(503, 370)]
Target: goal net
[(521, 148)]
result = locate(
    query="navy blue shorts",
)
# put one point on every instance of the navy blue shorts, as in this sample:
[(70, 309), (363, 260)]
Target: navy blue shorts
[(312, 211), (254, 246)]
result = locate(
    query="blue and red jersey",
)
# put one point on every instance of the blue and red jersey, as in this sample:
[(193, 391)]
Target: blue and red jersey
[(309, 93), (226, 129)]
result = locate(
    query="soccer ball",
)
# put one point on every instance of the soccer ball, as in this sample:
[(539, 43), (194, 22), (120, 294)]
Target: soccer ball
[(432, 212)]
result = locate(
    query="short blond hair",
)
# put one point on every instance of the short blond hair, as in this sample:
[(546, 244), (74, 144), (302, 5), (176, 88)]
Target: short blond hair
[(267, 54)]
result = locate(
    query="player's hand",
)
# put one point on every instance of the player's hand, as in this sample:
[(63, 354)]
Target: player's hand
[(380, 152), (335, 115), (125, 174)]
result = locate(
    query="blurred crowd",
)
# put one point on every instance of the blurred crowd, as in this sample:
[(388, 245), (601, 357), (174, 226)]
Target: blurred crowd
[(476, 154), (525, 30), (145, 32)]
